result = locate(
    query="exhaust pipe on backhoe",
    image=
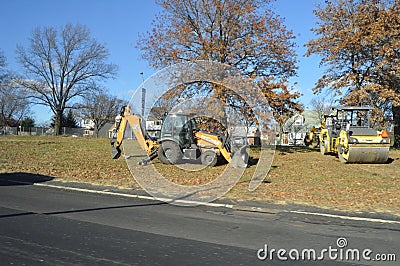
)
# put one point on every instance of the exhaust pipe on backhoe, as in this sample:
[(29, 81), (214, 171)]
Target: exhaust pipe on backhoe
[(115, 148), (240, 156)]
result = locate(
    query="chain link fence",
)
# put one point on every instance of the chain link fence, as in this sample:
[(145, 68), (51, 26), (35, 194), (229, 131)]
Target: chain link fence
[(42, 131)]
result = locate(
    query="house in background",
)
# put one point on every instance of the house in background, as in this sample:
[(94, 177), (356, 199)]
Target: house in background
[(295, 128), (87, 126), (252, 133), (153, 128)]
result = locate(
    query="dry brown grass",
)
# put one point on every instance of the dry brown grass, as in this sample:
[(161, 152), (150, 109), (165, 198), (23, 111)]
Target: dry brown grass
[(64, 158), (298, 175), (304, 176)]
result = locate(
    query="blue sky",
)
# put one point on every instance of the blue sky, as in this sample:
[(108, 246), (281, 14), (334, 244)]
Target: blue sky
[(117, 24)]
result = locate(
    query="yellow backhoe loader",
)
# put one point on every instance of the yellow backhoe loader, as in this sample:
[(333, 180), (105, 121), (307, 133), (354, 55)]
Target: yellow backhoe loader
[(349, 135), (180, 141)]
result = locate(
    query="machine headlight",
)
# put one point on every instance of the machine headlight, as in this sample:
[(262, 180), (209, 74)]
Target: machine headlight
[(353, 140), (385, 141), (239, 141)]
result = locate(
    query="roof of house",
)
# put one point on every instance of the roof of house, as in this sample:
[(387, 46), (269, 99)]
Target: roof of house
[(310, 119)]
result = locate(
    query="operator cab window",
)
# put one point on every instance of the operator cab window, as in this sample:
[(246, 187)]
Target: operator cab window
[(167, 126)]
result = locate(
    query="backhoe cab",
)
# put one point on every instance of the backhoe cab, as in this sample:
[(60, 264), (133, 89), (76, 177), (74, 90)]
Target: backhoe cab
[(180, 140)]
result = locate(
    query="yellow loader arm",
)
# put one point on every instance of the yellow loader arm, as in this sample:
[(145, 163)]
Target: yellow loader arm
[(134, 121), (205, 139), (237, 157)]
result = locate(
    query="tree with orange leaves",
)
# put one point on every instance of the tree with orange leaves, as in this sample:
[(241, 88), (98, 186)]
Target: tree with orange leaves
[(245, 34), (359, 43)]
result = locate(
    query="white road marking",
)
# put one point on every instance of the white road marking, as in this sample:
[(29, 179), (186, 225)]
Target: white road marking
[(230, 206), (354, 218), (167, 200)]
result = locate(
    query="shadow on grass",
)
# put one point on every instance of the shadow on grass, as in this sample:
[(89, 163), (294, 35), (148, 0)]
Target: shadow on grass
[(294, 149), (389, 160), (252, 161), (21, 179)]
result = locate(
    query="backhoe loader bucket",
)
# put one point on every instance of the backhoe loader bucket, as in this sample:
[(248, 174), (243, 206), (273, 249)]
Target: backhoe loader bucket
[(240, 158), (115, 151)]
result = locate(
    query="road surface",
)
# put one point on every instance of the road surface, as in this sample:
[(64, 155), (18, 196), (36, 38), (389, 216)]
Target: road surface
[(48, 226)]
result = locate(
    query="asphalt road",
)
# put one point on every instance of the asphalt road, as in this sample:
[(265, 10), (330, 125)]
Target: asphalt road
[(48, 226)]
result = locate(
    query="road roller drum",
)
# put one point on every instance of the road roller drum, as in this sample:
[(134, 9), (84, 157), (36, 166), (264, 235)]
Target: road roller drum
[(364, 154)]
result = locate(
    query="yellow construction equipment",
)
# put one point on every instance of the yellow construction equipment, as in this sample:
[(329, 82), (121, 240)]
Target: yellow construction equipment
[(121, 121), (312, 137), (349, 135), (180, 140)]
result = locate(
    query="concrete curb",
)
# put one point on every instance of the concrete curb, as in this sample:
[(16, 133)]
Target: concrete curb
[(394, 220)]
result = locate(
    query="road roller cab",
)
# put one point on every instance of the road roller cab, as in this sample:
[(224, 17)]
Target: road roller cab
[(348, 134)]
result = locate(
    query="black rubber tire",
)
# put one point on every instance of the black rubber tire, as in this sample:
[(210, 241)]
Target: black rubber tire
[(209, 158), (169, 152), (161, 156), (315, 144)]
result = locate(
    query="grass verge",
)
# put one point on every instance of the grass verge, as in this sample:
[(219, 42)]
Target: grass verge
[(297, 175)]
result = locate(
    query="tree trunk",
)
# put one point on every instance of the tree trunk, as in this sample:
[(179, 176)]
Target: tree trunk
[(396, 122), (57, 122)]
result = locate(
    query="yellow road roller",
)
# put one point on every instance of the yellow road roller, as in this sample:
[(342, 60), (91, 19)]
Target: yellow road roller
[(348, 134)]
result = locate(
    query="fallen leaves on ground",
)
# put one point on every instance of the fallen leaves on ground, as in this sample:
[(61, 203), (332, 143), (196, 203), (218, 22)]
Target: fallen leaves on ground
[(297, 175)]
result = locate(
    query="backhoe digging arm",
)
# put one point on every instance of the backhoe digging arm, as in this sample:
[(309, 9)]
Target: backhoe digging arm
[(144, 141)]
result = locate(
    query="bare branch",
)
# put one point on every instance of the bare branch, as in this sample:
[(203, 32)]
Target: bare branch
[(101, 108), (63, 64)]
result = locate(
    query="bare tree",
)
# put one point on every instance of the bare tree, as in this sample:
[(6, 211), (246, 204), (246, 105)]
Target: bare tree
[(61, 66), (13, 99), (14, 104), (322, 105), (2, 64), (101, 108), (3, 71)]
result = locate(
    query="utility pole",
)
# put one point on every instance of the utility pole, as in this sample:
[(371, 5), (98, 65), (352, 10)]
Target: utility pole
[(143, 95)]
